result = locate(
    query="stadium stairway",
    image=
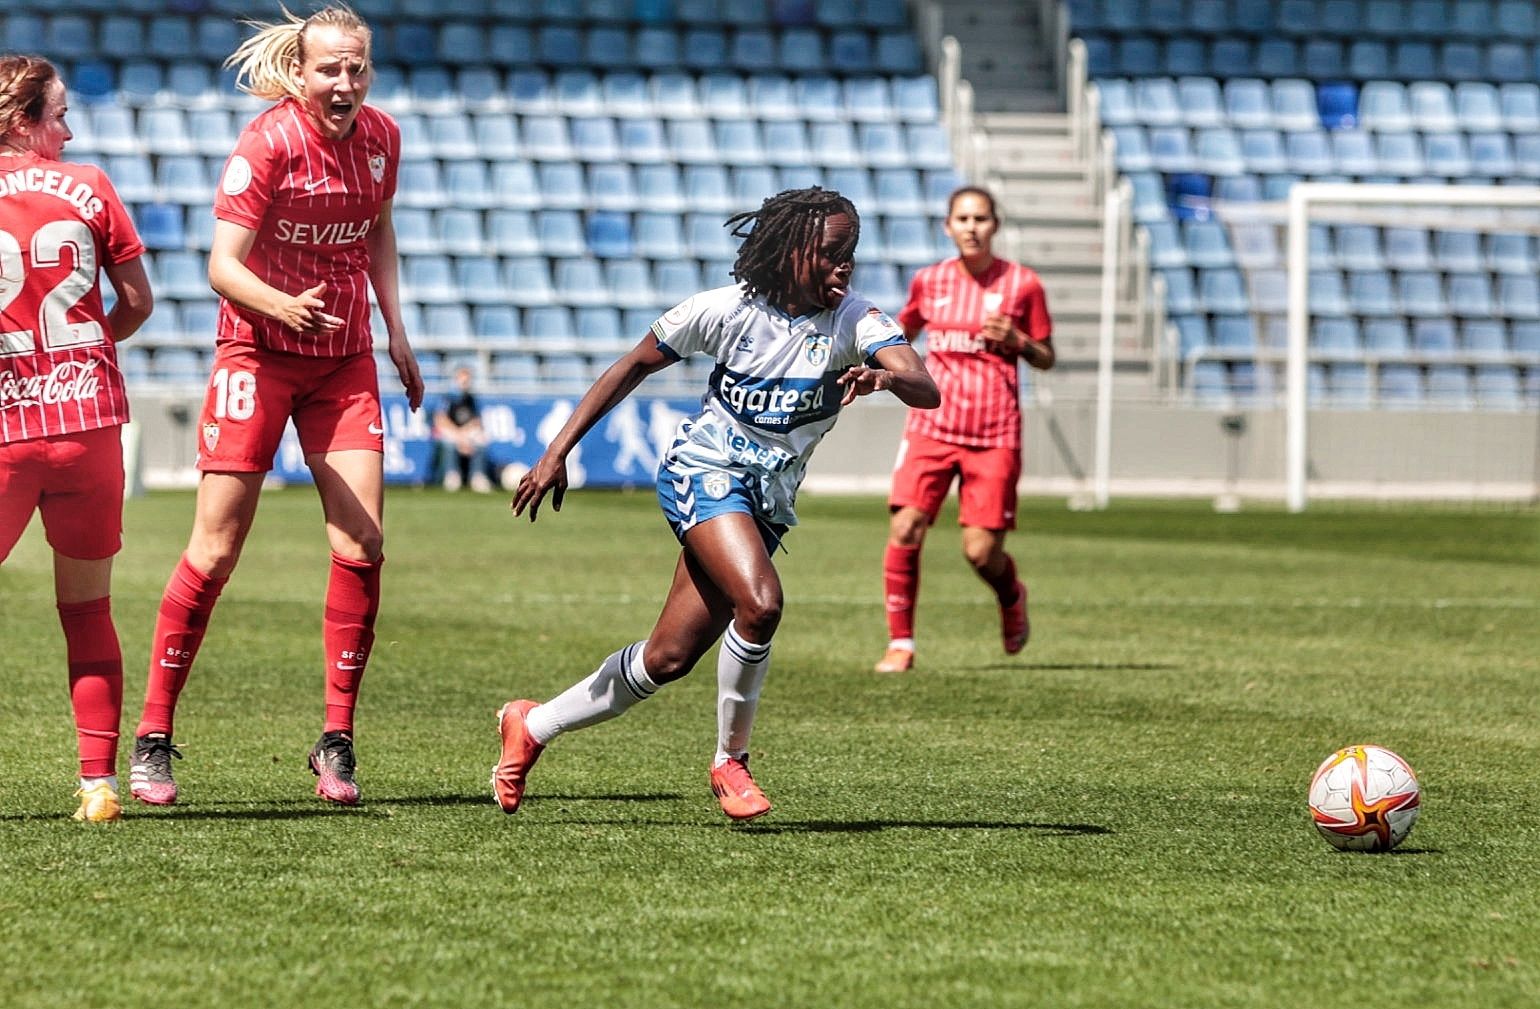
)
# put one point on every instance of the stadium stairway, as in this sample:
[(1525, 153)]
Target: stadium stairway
[(1051, 220)]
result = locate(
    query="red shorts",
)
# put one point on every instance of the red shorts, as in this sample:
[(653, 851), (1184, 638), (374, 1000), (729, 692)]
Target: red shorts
[(334, 401), (924, 471), (76, 481)]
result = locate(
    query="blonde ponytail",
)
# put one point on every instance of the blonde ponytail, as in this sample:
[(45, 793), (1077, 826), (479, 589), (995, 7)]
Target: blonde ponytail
[(264, 64)]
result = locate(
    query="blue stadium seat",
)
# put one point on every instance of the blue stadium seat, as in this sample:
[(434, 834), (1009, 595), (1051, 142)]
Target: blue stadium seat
[(1358, 247), (1201, 102), (1231, 57), (558, 45), (428, 279), (545, 138), (1470, 295), (643, 141), (141, 82), (704, 49), (1294, 105), (450, 137), (856, 185), (514, 185), (1149, 201), (1221, 291), (481, 89), (1235, 334), (708, 239), (458, 231), (1328, 296), (512, 232), (1263, 151), (786, 143), (561, 232), (1353, 153), (1387, 337), (609, 235), (165, 132), (132, 177), (1166, 249), (1368, 59), (1510, 252), (1497, 387), (1408, 249), (609, 47), (530, 91), (897, 54), (479, 279), (1337, 104), (562, 185), (624, 94), (580, 281), (1483, 337), (1421, 295), (495, 137), (659, 236), (497, 325), (1414, 60), (1516, 19), (414, 230), (1518, 296), (515, 369), (1461, 61), (1192, 335), (1458, 251), (897, 191), (1320, 59), (183, 179), (655, 48), (1335, 338), (1206, 244), (1507, 61), (1449, 387), (1155, 102), (161, 225), (612, 186), (674, 280), (594, 139), (629, 282), (527, 279), (1309, 153), (1185, 56), (772, 97), (1370, 293), (833, 144), (692, 142), (551, 326), (738, 142), (1382, 105), (462, 43), (915, 99), (1248, 104), (1171, 149), (1524, 338), (1431, 104), (1491, 155), (576, 92), (1400, 386), (1399, 154), (1269, 290), (1181, 292), (1209, 382), (1217, 151)]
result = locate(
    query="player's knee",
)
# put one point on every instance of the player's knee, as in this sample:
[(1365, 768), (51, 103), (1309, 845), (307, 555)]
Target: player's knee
[(366, 545), (907, 529), (758, 618), (982, 556)]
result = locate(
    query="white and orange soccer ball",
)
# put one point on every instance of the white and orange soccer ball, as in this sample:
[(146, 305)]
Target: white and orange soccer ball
[(1364, 798)]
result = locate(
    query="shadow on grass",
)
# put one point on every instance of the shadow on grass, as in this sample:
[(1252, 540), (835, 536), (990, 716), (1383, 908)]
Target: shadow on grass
[(876, 826), (1074, 667)]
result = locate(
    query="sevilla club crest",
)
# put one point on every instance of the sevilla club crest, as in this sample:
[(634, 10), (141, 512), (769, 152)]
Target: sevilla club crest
[(210, 436), (377, 167)]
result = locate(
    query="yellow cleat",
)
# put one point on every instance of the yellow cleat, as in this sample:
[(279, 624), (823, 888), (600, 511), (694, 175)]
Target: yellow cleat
[(98, 804)]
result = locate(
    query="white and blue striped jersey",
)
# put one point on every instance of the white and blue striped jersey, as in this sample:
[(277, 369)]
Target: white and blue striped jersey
[(773, 393)]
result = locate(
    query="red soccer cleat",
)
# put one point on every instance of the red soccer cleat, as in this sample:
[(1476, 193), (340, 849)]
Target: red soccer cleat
[(1015, 628), (520, 751), (734, 788)]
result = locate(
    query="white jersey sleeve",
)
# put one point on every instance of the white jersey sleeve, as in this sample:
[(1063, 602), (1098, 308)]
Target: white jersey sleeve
[(871, 327), (697, 324)]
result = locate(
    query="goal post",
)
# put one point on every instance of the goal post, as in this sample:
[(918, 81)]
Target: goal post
[(1517, 208)]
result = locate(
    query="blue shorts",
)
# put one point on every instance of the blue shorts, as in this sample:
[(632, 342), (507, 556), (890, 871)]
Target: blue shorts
[(688, 499)]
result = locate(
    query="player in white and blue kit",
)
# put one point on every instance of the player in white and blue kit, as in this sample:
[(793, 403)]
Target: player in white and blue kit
[(793, 345)]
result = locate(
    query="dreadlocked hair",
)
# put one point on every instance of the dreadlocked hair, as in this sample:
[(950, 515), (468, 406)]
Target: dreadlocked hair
[(263, 63), (786, 223)]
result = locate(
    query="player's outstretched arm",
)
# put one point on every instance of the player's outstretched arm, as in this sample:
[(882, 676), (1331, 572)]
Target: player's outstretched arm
[(902, 373), (549, 474), (384, 277)]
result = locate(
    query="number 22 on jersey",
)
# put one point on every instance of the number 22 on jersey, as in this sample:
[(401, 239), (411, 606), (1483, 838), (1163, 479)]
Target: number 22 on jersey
[(48, 245)]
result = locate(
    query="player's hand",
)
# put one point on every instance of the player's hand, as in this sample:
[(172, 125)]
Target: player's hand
[(302, 312), (549, 474), (863, 381), (999, 334), (405, 360)]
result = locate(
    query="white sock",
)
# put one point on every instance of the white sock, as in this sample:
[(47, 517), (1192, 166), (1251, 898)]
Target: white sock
[(904, 644), (89, 783), (611, 690), (741, 669)]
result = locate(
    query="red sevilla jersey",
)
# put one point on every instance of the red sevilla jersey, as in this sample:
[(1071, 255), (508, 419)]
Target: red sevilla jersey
[(980, 390), (312, 202), (60, 223)]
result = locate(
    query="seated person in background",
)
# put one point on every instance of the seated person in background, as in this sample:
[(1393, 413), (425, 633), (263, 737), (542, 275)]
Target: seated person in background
[(461, 439)]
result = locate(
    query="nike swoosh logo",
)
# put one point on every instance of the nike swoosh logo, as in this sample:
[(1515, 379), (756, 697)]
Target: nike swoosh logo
[(173, 665), (376, 429), (942, 301), (349, 669), (313, 183)]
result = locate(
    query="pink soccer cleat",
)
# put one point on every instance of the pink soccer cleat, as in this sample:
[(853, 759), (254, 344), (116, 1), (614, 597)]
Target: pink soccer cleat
[(520, 751), (735, 789)]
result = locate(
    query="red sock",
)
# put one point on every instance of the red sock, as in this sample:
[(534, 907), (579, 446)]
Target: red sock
[(352, 600), (96, 682), (901, 586), (1004, 583), (179, 628)]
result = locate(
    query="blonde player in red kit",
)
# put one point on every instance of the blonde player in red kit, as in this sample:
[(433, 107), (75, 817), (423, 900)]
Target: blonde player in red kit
[(980, 315), (302, 232), (62, 402)]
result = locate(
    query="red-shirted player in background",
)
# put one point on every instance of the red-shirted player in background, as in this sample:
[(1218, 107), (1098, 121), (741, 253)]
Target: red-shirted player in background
[(981, 315), (302, 231), (62, 402)]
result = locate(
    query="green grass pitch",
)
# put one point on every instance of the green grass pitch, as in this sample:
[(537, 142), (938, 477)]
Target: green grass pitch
[(1114, 818)]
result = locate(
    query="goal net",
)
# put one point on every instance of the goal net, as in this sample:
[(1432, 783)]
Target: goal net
[(1396, 327)]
